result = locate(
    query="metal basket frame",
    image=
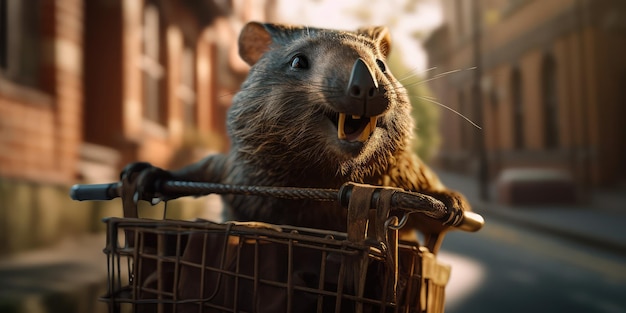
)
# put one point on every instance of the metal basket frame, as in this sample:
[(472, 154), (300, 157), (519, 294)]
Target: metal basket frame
[(156, 257), (201, 266)]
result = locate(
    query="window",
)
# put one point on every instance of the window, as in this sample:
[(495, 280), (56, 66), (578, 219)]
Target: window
[(495, 117), (463, 111), (4, 34), (463, 18), (459, 16), (550, 103), (621, 120), (518, 110), (20, 41), (186, 88), (153, 71)]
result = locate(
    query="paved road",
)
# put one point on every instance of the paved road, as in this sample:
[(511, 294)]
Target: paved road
[(503, 268)]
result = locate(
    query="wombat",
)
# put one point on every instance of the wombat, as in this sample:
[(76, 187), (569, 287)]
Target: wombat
[(319, 108)]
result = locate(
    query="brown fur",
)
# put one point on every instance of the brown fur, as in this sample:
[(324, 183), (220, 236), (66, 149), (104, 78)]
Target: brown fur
[(282, 132)]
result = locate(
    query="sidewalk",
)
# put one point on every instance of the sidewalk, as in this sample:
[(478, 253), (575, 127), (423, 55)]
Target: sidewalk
[(600, 223), (68, 277)]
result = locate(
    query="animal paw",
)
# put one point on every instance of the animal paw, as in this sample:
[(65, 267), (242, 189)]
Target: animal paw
[(456, 205), (145, 179)]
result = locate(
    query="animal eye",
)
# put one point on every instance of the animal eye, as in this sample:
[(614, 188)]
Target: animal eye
[(381, 65), (299, 61)]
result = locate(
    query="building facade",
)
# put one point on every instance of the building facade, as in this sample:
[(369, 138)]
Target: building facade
[(546, 80), (87, 86)]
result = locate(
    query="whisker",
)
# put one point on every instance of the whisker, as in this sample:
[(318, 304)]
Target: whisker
[(413, 73), (410, 73), (430, 69), (452, 110), (429, 97), (442, 75)]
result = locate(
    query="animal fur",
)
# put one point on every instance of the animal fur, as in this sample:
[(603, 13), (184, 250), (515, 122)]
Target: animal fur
[(283, 129)]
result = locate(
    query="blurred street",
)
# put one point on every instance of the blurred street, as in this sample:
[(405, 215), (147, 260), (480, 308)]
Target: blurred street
[(524, 271), (516, 265)]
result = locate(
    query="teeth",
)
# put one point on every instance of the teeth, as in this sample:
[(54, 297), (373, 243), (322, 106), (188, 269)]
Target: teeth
[(340, 126), (369, 129), (365, 134)]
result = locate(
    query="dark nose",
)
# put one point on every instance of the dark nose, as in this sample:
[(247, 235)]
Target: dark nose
[(365, 96)]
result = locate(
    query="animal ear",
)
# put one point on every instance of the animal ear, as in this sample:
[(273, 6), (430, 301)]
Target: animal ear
[(380, 35), (254, 40)]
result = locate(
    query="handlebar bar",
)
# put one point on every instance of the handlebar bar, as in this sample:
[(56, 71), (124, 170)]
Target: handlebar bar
[(400, 200), (91, 192)]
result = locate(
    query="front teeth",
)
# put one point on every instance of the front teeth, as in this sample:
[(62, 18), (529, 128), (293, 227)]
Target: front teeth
[(363, 136), (369, 129)]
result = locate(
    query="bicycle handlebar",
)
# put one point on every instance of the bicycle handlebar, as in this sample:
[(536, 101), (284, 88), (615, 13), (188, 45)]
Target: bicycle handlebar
[(403, 200), (88, 192)]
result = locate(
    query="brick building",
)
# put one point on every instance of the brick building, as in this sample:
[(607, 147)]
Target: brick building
[(87, 86), (551, 84)]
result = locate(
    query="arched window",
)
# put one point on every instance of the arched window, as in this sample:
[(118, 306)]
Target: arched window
[(550, 102), (518, 110)]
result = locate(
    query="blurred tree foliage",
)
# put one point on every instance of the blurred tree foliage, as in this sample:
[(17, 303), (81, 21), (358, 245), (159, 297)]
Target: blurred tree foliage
[(426, 113)]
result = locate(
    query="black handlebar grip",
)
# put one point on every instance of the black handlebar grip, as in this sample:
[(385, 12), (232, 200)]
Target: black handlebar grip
[(94, 192)]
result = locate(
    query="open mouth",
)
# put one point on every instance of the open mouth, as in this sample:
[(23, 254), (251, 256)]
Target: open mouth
[(355, 128)]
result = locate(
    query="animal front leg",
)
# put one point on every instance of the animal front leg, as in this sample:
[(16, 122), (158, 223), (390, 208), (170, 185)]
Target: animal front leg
[(209, 169), (434, 229)]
